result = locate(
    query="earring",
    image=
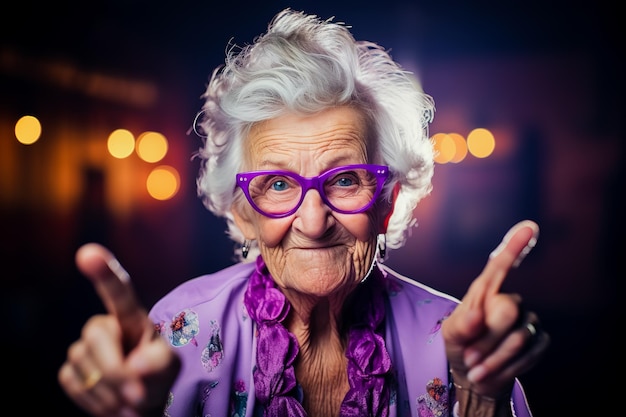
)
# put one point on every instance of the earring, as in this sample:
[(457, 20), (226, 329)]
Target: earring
[(382, 245), (245, 248)]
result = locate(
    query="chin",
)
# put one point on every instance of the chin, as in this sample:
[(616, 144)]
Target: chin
[(322, 274)]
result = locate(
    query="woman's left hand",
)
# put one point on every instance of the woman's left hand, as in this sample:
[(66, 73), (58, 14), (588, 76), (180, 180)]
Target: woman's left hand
[(490, 338)]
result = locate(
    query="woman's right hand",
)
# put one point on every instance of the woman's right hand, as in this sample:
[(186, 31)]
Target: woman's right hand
[(119, 366)]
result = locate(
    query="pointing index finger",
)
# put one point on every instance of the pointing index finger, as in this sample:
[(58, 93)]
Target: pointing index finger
[(515, 245), (112, 283)]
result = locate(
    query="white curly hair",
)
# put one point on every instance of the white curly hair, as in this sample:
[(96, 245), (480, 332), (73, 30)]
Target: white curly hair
[(306, 64)]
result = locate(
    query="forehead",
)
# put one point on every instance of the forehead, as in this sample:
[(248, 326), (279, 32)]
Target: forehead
[(342, 130)]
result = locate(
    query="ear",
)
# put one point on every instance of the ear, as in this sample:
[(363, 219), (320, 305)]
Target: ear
[(243, 221), (394, 196)]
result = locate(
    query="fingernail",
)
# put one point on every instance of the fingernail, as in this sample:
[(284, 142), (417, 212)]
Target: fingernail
[(476, 374), (531, 242), (132, 393), (471, 358), (118, 270)]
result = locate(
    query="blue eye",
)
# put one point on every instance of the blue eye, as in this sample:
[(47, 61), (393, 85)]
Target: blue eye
[(346, 179), (279, 185), (344, 182)]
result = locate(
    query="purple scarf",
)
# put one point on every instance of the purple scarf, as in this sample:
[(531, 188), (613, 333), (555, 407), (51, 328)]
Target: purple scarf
[(369, 364)]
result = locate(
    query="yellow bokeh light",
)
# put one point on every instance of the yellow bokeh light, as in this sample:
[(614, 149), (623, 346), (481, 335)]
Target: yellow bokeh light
[(481, 143), (121, 143), (28, 130), (460, 148), (151, 146), (163, 182), (444, 148)]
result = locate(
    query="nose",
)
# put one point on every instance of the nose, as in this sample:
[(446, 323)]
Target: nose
[(312, 217)]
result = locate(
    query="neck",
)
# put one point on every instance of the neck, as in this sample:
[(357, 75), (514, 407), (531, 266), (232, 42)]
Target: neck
[(321, 364), (352, 331), (315, 318), (321, 319), (317, 327)]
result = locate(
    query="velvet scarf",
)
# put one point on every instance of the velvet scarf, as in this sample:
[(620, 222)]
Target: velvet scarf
[(369, 364)]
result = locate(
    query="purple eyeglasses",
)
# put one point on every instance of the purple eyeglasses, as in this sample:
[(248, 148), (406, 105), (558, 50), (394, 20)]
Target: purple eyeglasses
[(348, 189)]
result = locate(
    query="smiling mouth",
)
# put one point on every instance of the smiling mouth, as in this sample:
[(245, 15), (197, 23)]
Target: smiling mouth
[(330, 246)]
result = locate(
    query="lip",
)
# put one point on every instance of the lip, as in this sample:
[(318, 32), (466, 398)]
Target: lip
[(316, 247)]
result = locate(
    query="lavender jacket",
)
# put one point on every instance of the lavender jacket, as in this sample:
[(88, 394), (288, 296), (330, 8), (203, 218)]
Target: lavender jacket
[(207, 323)]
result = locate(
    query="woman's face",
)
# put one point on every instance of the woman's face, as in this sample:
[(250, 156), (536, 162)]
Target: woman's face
[(314, 251)]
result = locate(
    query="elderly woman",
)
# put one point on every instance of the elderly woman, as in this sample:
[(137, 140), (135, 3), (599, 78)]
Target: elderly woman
[(316, 151)]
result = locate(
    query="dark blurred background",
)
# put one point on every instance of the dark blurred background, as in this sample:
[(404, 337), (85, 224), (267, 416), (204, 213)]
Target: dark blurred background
[(547, 80)]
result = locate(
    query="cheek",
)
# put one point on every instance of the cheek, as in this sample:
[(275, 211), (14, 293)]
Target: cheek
[(361, 226), (272, 231)]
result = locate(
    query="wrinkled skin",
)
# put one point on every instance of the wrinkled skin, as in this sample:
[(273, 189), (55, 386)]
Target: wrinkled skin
[(317, 257)]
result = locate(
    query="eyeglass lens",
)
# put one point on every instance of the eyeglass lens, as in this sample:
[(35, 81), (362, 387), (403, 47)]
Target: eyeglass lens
[(347, 191)]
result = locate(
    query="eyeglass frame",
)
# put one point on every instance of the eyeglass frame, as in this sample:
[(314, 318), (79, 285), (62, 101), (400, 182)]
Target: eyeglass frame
[(380, 172)]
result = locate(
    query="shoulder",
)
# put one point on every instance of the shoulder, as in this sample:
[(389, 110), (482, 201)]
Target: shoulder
[(205, 319), (402, 289), (415, 313), (214, 291), (414, 308)]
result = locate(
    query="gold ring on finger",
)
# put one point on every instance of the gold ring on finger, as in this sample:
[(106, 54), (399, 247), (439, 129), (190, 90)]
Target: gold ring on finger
[(92, 379)]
